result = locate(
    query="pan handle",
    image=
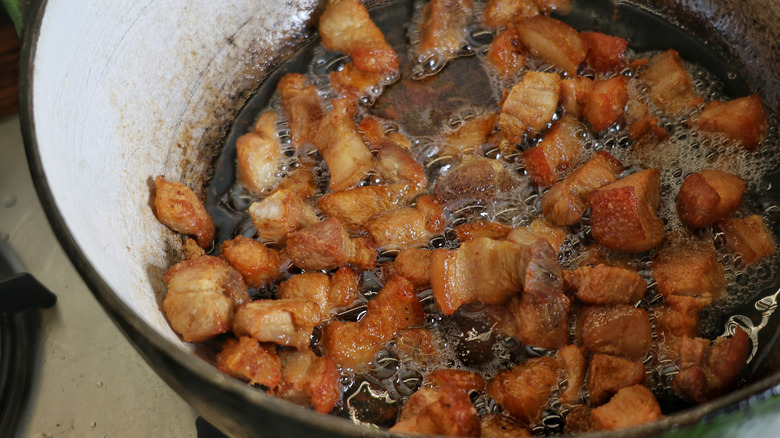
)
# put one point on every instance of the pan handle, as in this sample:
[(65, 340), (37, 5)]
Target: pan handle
[(17, 10)]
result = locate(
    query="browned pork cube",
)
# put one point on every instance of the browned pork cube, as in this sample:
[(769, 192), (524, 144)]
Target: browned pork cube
[(574, 94), (670, 87), (301, 104), (529, 106), (506, 53), (279, 214), (249, 360), (500, 13), (619, 330), (177, 207), (309, 380), (560, 149), (623, 214), (407, 227), (472, 134), (538, 322), (446, 410), (606, 102), (356, 206), (464, 380), (608, 374), (524, 390), (258, 264), (742, 120), (606, 52), (329, 293), (688, 266), (747, 237), (352, 83), (480, 179), (326, 245), (300, 181), (678, 316), (629, 407), (396, 165), (536, 230), (501, 426), (553, 41), (259, 156), (444, 28), (604, 285), (575, 365), (708, 196), (473, 230), (567, 200), (284, 322), (417, 345), (415, 265)]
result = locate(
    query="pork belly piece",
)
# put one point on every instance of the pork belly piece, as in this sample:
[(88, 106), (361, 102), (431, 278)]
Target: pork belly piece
[(177, 207), (524, 390), (414, 264), (345, 26), (309, 380), (669, 86), (501, 13), (492, 271), (300, 181), (539, 228), (353, 344), (407, 227), (619, 330), (479, 179), (302, 106), (553, 41), (606, 102), (560, 150), (678, 316), (501, 426), (474, 133), (605, 52), (466, 381), (643, 128), (342, 148), (444, 28), (191, 249), (355, 207), (259, 155), (689, 266), (574, 365), (287, 322), (529, 106), (258, 264), (574, 93), (567, 200), (202, 295), (374, 135), (747, 237), (492, 230), (396, 165), (707, 372), (537, 322), (329, 293), (246, 359), (578, 420), (506, 53), (741, 120), (608, 374), (630, 406), (708, 196), (623, 214), (562, 7), (605, 285), (279, 214), (417, 345), (326, 245), (446, 410)]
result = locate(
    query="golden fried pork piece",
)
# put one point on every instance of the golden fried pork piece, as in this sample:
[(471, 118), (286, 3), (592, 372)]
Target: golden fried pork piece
[(574, 365), (309, 380), (444, 28), (567, 200), (538, 321), (279, 214), (374, 134), (479, 179), (690, 267), (506, 53), (643, 128), (492, 271), (619, 330), (259, 155), (578, 420), (605, 52), (501, 426), (605, 102), (708, 196), (466, 381), (670, 88), (407, 227), (623, 214), (574, 94), (177, 207), (630, 406), (414, 264), (300, 181), (351, 82), (445, 410), (342, 148), (202, 296), (560, 150), (258, 264), (472, 134), (246, 359), (353, 344), (396, 165), (605, 285), (608, 374), (284, 322), (677, 317), (553, 41), (192, 250), (329, 293), (524, 390), (355, 207), (417, 345), (528, 107), (707, 372), (748, 237), (345, 26), (741, 120), (562, 7), (326, 245), (502, 13), (302, 106), (539, 228), (474, 230)]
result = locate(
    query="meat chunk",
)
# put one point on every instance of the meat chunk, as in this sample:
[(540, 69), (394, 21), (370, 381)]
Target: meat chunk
[(747, 237), (355, 207), (677, 317), (300, 181), (407, 227), (177, 207), (501, 426), (329, 293), (395, 165), (342, 148), (741, 120), (192, 250), (623, 214), (353, 344), (326, 245), (202, 295), (553, 41), (444, 29), (605, 285), (688, 266), (605, 52), (492, 230), (472, 134), (417, 345), (301, 104), (258, 264), (630, 406), (479, 179), (560, 150), (619, 330), (501, 13), (567, 200), (284, 322), (446, 410), (249, 360), (643, 128), (351, 82), (606, 102), (414, 264), (525, 389), (670, 88), (538, 322), (259, 156), (708, 196), (574, 94), (608, 374), (279, 214), (529, 106), (506, 53), (466, 381), (538, 229), (309, 380), (574, 364), (562, 7)]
